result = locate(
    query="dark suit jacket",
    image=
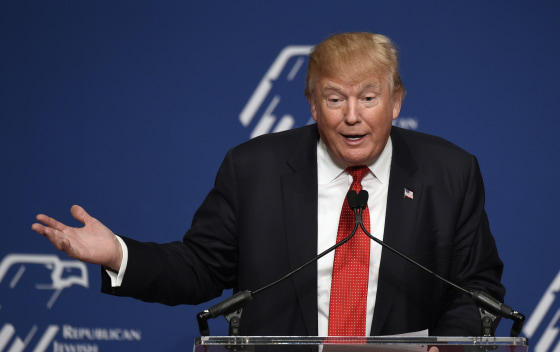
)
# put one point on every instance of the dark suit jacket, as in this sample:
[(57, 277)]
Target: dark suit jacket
[(259, 222)]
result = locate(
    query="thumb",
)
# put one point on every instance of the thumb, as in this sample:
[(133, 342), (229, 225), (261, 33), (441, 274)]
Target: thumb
[(80, 214)]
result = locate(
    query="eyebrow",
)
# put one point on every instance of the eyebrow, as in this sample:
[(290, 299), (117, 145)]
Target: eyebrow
[(369, 85)]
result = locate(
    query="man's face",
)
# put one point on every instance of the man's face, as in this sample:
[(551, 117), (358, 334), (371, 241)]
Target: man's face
[(354, 119)]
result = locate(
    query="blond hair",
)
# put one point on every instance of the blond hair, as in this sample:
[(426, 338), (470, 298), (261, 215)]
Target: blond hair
[(353, 56)]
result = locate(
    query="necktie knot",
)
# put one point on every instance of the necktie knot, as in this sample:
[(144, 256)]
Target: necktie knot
[(357, 173)]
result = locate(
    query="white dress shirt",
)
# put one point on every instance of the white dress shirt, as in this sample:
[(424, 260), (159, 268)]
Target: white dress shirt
[(333, 185)]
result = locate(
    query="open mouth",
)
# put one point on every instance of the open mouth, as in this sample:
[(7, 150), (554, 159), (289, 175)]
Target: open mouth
[(353, 137)]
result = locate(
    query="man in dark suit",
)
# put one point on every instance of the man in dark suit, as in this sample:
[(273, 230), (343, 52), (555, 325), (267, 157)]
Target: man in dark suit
[(276, 203)]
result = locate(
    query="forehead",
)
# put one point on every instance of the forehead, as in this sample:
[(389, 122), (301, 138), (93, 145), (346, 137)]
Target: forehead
[(351, 85)]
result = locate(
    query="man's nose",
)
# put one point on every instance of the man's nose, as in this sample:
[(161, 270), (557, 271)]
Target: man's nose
[(352, 113)]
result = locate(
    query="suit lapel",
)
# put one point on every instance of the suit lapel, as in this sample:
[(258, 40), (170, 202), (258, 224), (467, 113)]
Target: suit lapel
[(299, 190), (399, 225)]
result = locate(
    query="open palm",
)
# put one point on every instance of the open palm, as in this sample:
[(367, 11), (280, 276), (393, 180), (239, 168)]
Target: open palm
[(93, 243)]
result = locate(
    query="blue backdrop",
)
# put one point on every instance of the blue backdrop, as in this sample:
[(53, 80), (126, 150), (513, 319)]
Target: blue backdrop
[(127, 108)]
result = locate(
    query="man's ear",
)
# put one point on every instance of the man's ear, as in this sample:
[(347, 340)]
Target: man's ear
[(397, 103)]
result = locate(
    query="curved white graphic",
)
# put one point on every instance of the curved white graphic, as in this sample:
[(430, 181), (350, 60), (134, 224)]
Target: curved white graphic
[(268, 118), (18, 344), (58, 269), (547, 312)]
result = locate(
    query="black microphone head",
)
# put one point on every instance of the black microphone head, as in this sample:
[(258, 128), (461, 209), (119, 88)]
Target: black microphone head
[(352, 198), (363, 197), (357, 200)]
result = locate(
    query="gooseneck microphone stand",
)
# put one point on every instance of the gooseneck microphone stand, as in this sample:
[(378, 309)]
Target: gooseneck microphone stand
[(489, 308)]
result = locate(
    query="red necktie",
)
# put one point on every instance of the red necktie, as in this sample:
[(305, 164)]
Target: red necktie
[(349, 288)]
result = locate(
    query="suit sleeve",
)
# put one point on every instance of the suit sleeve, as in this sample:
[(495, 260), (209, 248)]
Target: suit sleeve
[(475, 264)]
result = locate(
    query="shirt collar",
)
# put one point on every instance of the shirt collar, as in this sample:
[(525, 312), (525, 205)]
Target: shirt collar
[(328, 170)]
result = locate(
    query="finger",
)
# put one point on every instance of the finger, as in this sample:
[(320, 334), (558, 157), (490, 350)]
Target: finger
[(50, 222), (40, 229), (80, 214), (54, 236)]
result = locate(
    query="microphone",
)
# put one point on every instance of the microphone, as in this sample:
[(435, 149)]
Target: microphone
[(488, 306), (357, 202), (232, 307)]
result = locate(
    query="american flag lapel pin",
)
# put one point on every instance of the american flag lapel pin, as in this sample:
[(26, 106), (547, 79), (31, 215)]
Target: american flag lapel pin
[(408, 193)]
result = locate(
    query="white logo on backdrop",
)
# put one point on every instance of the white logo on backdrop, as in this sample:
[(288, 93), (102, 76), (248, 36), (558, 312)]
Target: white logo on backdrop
[(265, 107), (410, 123), (19, 344), (265, 98), (55, 337), (59, 272), (72, 338), (545, 320)]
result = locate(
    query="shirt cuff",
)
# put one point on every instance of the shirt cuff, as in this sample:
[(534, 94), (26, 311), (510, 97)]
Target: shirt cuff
[(117, 278)]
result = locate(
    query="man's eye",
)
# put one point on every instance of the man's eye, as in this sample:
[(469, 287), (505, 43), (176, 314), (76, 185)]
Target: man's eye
[(369, 98)]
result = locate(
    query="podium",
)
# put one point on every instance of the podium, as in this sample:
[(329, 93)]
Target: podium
[(358, 344)]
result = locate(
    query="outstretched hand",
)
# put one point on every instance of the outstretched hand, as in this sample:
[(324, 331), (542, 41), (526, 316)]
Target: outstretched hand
[(93, 243)]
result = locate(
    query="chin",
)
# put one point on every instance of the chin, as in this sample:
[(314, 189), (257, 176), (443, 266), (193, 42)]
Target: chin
[(356, 161), (348, 163)]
